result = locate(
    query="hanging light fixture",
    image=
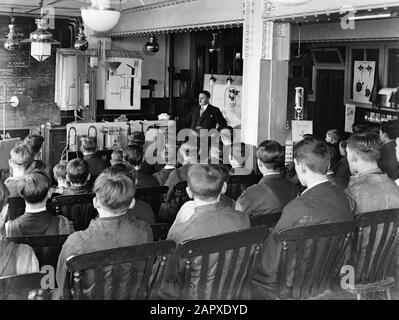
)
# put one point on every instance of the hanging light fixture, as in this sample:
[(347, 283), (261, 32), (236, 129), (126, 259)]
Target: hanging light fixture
[(229, 80), (40, 39), (81, 42), (100, 16), (214, 48), (152, 45), (13, 40)]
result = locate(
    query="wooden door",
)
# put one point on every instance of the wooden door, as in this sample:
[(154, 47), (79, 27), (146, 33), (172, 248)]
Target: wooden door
[(329, 110)]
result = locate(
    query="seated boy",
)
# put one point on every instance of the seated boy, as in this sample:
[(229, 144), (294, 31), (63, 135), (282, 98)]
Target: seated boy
[(113, 229), (14, 258), (95, 163), (238, 160), (369, 188), (60, 175), (320, 203), (35, 142), (188, 152), (35, 188), (141, 210), (211, 217), (116, 156), (20, 161), (274, 191), (170, 165), (78, 176), (134, 155)]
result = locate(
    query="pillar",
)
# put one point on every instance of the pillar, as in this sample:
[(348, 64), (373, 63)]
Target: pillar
[(266, 49)]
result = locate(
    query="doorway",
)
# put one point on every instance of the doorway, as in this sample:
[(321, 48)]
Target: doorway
[(329, 110)]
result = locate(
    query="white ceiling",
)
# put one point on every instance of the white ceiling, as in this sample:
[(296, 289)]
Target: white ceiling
[(67, 7)]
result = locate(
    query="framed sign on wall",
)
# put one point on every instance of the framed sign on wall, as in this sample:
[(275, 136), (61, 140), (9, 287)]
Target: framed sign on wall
[(363, 81)]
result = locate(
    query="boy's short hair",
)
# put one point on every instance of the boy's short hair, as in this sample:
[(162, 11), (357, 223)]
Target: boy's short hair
[(335, 135), (4, 194), (34, 186), (391, 129), (77, 171), (133, 154), (59, 170), (125, 168), (22, 156), (34, 142), (117, 155), (366, 145), (188, 149), (271, 154), (38, 165), (138, 138), (114, 190), (89, 144), (205, 180), (314, 154), (240, 152)]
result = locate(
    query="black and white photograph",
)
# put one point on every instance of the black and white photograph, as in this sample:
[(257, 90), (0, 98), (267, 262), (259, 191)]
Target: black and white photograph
[(202, 158)]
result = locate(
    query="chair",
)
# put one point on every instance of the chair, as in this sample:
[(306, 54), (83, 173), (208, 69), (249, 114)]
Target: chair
[(310, 259), (160, 231), (153, 196), (237, 184), (16, 208), (269, 220), (77, 208), (221, 267), (122, 273), (46, 248), (375, 252), (16, 287)]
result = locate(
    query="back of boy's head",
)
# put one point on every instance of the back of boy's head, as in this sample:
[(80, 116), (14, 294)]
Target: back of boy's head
[(117, 155), (114, 190), (34, 142), (59, 170), (34, 186), (271, 154), (22, 156), (4, 194), (366, 145), (240, 152), (133, 154), (138, 138), (123, 168), (335, 135), (89, 144), (77, 171), (205, 181), (38, 165), (391, 129), (314, 154)]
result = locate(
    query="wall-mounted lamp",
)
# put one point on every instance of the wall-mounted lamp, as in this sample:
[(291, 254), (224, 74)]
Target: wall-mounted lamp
[(152, 45), (13, 40), (15, 101), (100, 16), (229, 80)]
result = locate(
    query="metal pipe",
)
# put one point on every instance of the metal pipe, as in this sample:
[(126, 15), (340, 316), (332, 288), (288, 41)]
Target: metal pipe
[(171, 70)]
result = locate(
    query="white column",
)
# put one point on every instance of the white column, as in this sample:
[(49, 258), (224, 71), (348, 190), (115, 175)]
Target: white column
[(266, 55)]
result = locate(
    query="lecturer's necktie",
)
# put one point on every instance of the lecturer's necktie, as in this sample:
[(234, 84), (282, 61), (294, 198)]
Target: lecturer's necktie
[(202, 110)]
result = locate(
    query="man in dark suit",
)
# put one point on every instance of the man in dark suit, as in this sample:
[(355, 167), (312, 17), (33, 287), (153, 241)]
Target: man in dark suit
[(203, 116)]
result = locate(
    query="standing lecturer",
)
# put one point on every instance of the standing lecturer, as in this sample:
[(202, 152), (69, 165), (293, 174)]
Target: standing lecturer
[(203, 116)]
